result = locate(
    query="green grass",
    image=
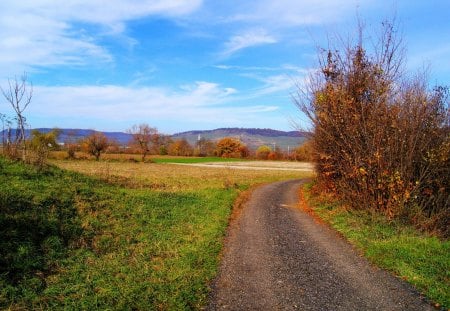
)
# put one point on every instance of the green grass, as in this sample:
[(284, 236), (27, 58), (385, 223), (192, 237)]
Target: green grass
[(192, 160), (420, 259), (132, 236)]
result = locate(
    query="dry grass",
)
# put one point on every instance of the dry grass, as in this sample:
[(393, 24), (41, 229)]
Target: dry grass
[(169, 177)]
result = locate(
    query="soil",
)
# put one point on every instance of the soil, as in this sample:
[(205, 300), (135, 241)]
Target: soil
[(277, 257)]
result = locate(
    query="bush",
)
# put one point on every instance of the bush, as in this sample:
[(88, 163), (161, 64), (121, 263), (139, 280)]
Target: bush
[(41, 144), (263, 152), (229, 147), (305, 152), (381, 141)]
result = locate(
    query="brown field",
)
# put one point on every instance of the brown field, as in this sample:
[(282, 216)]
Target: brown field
[(172, 177), (259, 165)]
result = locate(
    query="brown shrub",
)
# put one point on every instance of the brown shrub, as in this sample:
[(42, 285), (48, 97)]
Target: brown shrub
[(381, 141)]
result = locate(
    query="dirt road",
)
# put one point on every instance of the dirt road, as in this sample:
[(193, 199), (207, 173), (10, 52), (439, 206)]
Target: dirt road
[(278, 258)]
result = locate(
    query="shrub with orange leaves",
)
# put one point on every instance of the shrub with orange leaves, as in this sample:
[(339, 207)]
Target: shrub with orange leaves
[(229, 147), (380, 141)]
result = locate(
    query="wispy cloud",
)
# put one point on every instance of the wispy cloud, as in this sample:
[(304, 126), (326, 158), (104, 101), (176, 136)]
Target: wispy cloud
[(288, 13), (249, 38), (202, 102), (40, 33), (283, 68)]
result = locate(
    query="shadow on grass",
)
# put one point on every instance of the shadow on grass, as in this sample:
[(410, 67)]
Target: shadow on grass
[(37, 222)]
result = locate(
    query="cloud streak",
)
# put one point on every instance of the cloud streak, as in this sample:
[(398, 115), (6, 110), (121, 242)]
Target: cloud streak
[(45, 33), (249, 38), (200, 103)]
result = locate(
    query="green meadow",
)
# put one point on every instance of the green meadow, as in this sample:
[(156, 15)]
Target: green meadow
[(115, 235)]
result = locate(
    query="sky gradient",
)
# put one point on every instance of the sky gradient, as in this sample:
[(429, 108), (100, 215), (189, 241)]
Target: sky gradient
[(187, 65)]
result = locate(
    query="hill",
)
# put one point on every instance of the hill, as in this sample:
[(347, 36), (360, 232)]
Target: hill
[(252, 137), (76, 134)]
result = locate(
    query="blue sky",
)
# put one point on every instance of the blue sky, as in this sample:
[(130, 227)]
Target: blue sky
[(185, 65)]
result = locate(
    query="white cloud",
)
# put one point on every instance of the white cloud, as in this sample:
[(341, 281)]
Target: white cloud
[(247, 39), (289, 13), (45, 32), (282, 68), (202, 102), (273, 84)]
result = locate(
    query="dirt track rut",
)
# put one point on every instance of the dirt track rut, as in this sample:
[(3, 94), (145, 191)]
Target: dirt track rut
[(277, 257)]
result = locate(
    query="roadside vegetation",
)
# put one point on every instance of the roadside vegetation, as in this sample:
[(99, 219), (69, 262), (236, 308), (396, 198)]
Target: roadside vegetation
[(381, 147), (381, 138), (129, 236), (418, 258)]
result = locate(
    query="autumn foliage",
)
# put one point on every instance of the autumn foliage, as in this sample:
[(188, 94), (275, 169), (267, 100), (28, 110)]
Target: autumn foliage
[(381, 140), (229, 147), (95, 144), (180, 147)]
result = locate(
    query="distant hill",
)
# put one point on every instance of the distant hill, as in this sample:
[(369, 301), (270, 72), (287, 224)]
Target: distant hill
[(76, 134), (252, 137)]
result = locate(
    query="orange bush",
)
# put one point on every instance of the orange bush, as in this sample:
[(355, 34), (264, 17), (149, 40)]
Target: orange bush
[(380, 141)]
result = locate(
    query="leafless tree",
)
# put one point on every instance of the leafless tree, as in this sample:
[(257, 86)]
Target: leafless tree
[(19, 94), (144, 137)]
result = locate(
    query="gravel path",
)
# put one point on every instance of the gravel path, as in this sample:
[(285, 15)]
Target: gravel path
[(277, 257)]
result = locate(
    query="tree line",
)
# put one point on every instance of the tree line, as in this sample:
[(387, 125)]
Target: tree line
[(147, 141)]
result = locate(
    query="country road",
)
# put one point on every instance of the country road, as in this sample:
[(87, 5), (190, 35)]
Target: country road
[(277, 257)]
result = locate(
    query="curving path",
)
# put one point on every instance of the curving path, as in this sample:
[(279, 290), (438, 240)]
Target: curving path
[(277, 257)]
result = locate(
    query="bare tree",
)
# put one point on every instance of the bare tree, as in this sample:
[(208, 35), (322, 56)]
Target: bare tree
[(95, 144), (144, 137), (19, 94)]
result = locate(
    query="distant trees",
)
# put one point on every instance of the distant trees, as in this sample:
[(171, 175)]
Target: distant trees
[(18, 94), (180, 147), (144, 137), (304, 152), (71, 144), (41, 144), (95, 144), (205, 147), (229, 147), (381, 140), (262, 153)]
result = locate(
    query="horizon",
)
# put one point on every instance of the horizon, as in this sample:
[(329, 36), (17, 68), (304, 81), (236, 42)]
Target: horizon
[(179, 65), (162, 133)]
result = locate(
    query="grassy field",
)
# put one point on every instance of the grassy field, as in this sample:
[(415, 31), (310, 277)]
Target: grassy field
[(420, 259), (190, 160), (140, 236), (124, 157)]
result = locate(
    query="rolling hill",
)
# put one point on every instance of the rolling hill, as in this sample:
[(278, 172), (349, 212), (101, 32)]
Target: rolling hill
[(252, 137)]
